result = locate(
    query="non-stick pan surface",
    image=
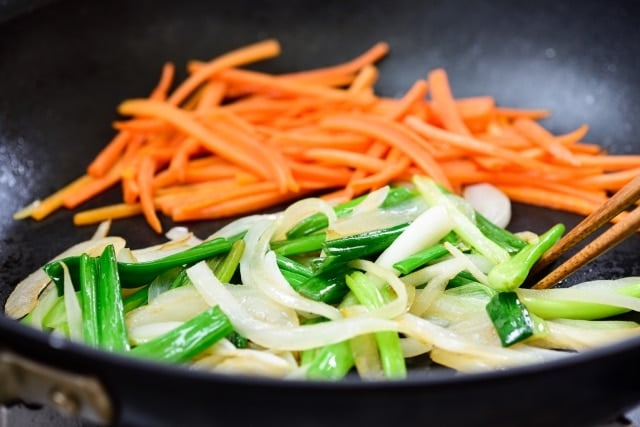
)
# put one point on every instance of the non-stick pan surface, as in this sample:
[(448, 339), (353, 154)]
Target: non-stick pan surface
[(65, 67)]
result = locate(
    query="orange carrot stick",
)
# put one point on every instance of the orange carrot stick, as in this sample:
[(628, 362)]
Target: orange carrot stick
[(364, 80), (476, 146), (55, 201), (549, 199), (241, 205), (345, 158), (271, 84), (109, 155), (240, 155), (104, 213), (393, 134), (374, 54), (417, 92), (166, 78), (245, 55), (145, 183), (444, 104), (543, 138), (91, 188)]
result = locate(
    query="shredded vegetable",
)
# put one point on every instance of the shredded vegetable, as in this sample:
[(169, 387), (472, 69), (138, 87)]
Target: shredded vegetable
[(319, 292), (227, 141)]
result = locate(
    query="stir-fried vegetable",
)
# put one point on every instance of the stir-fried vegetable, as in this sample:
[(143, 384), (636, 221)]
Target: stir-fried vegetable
[(317, 291)]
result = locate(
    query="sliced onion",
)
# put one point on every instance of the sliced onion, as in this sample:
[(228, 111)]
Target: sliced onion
[(175, 305), (259, 268), (468, 264), (145, 333), (427, 229), (240, 225), (490, 201), (102, 231), (24, 297), (400, 303), (371, 202), (263, 308), (72, 307), (247, 362), (289, 339), (585, 334), (599, 296)]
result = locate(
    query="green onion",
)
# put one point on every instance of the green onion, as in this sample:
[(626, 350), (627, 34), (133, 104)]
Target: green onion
[(133, 275), (464, 227), (112, 332), (420, 258), (567, 309), (510, 317), (342, 250), (512, 273), (391, 356), (507, 240), (299, 245), (331, 362), (88, 299), (318, 221), (228, 266), (136, 299), (187, 340)]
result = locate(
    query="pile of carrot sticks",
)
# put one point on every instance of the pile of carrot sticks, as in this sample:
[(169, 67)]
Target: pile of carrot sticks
[(228, 141)]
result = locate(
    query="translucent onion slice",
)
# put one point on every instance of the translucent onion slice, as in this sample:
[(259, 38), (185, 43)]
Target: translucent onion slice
[(263, 308), (599, 296), (102, 230), (425, 231), (445, 339), (582, 335), (151, 253), (175, 305), (395, 307), (24, 297), (144, 333), (429, 294), (374, 220), (469, 265), (72, 307), (247, 362), (490, 201), (240, 225), (259, 269), (371, 202), (284, 339)]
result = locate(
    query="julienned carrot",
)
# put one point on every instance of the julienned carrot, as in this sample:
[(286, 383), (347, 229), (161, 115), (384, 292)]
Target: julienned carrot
[(415, 94), (547, 198), (390, 133), (104, 213), (542, 137), (145, 183), (345, 158), (166, 79), (184, 122), (371, 56), (444, 104), (56, 200), (243, 56), (227, 141)]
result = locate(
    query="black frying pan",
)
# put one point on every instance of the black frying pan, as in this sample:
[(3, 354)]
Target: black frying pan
[(64, 68)]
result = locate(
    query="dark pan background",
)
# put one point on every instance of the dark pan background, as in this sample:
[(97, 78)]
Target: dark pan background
[(66, 66)]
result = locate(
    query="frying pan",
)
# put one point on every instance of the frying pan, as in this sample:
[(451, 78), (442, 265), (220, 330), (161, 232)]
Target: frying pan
[(65, 66)]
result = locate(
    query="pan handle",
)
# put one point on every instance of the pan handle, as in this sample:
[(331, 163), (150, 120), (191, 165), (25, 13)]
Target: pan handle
[(26, 380)]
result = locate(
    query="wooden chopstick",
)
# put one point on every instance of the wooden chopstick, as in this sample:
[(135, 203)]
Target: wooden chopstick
[(627, 226)]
